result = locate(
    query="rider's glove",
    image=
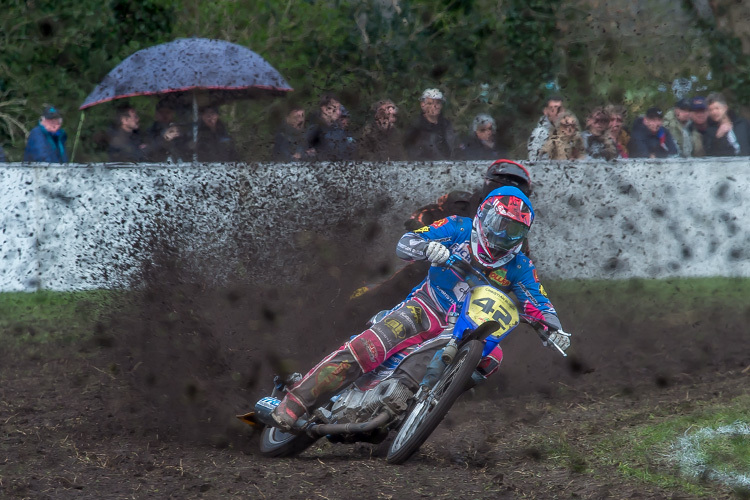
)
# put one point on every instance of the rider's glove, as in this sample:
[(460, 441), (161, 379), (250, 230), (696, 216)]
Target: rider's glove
[(437, 253), (560, 339)]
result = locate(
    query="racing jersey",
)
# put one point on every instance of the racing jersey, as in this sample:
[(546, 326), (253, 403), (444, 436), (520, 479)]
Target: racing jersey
[(443, 288)]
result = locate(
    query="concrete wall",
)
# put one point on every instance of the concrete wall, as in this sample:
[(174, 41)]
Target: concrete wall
[(89, 226)]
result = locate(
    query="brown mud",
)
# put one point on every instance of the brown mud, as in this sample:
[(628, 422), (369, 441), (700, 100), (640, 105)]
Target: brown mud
[(145, 407)]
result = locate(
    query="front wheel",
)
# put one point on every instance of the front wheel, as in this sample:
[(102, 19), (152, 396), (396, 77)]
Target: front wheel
[(276, 443), (427, 415)]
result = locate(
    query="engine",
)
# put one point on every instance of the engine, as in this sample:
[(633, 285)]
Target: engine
[(359, 406)]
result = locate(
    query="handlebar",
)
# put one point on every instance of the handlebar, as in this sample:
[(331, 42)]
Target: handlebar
[(466, 271), (474, 278)]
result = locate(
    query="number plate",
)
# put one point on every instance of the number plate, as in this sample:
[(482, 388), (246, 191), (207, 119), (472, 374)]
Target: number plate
[(490, 304)]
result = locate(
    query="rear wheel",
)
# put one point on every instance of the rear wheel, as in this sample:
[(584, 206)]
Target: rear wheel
[(427, 415), (277, 443)]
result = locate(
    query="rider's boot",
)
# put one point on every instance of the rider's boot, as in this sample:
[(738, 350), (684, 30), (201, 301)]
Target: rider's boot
[(288, 412)]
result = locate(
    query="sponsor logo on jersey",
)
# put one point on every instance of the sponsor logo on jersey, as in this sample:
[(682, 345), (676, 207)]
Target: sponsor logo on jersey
[(536, 276), (498, 276), (396, 327), (422, 229), (330, 378), (542, 290), (372, 351), (439, 223), (416, 313)]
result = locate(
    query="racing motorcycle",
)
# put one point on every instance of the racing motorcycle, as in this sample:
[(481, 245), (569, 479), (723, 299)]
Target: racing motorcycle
[(413, 390)]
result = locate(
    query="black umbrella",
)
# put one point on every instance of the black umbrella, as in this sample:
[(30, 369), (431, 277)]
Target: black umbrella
[(223, 69)]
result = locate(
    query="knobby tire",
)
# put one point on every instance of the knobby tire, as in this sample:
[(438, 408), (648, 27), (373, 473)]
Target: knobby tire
[(422, 420), (277, 443)]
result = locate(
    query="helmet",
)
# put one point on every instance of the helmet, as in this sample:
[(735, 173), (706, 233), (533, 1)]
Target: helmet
[(507, 173), (500, 226)]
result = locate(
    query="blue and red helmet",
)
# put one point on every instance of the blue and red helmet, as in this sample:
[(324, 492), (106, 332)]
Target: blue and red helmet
[(500, 227)]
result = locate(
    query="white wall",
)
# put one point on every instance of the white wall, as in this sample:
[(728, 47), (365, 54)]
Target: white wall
[(90, 226)]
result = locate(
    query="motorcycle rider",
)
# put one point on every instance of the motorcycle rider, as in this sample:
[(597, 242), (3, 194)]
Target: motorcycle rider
[(374, 297), (492, 241)]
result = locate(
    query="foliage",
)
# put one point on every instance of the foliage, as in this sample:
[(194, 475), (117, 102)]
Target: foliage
[(10, 110), (486, 56), (56, 51), (729, 65)]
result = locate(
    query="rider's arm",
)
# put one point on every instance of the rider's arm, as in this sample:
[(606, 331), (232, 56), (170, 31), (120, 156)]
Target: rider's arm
[(530, 292), (413, 245)]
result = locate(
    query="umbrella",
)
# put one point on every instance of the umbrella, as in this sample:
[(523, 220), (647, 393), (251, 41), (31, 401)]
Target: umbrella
[(223, 69)]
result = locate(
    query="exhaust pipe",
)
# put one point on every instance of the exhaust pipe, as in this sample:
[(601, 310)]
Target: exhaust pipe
[(324, 429)]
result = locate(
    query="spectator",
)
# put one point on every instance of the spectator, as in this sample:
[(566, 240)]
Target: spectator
[(432, 137), (481, 143), (326, 136), (699, 124), (214, 145), (617, 130), (677, 121), (597, 142), (125, 143), (170, 146), (649, 138), (544, 128), (46, 142), (3, 158), (566, 142), (290, 142), (381, 140), (163, 118), (728, 134)]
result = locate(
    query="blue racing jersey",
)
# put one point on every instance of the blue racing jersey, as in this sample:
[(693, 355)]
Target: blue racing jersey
[(444, 288)]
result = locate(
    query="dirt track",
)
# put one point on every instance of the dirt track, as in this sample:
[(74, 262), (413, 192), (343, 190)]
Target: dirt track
[(146, 408)]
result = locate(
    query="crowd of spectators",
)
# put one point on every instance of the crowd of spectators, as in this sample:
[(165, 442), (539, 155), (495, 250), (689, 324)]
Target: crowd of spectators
[(694, 127)]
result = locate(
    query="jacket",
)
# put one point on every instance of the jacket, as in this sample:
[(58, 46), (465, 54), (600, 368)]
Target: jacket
[(721, 146), (430, 141), (442, 288), (643, 143), (45, 147)]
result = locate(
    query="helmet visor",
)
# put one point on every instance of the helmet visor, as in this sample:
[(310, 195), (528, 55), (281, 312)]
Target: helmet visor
[(501, 233)]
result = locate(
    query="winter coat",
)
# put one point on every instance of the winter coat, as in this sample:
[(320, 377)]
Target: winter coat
[(331, 142), (559, 147), (46, 147), (289, 141), (474, 149), (680, 133), (599, 147), (215, 146), (538, 138), (126, 146), (721, 146), (430, 141), (644, 143)]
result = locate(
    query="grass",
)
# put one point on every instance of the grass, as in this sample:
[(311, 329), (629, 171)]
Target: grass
[(45, 316), (651, 452), (637, 300)]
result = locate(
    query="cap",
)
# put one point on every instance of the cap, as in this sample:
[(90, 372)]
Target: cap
[(698, 103), (51, 113), (684, 104), (654, 113), (432, 94)]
